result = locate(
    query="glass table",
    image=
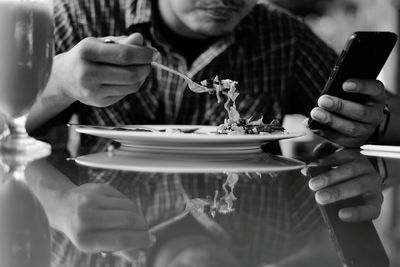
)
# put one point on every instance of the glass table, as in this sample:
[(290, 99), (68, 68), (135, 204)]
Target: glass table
[(113, 207)]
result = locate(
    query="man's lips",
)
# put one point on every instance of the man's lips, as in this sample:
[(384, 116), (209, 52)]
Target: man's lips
[(221, 12)]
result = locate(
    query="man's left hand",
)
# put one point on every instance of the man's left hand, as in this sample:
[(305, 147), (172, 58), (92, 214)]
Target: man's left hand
[(350, 123), (349, 174)]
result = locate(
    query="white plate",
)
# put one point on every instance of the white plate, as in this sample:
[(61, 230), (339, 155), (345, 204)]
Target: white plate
[(204, 140), (189, 163)]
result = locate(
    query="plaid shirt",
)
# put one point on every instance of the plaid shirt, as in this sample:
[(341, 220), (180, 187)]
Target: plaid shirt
[(280, 65)]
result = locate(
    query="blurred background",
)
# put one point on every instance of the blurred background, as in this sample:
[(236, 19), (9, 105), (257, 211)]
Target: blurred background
[(334, 21)]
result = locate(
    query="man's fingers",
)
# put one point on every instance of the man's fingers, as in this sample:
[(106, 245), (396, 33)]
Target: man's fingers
[(117, 91), (340, 157), (351, 124), (133, 39), (343, 140), (111, 39), (95, 50), (115, 75), (111, 91), (325, 149), (116, 203), (349, 189), (340, 124), (116, 219), (371, 209), (349, 109), (104, 102), (115, 240), (374, 89), (112, 199), (341, 173)]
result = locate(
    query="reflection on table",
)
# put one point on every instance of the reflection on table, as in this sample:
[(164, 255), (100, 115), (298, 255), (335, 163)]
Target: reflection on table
[(257, 211), (255, 218)]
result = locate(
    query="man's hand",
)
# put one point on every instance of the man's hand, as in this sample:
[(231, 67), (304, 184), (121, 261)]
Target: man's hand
[(95, 73), (100, 74), (98, 218), (350, 123), (351, 174)]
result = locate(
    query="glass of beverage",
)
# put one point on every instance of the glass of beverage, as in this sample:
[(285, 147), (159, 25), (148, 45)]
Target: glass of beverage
[(26, 57)]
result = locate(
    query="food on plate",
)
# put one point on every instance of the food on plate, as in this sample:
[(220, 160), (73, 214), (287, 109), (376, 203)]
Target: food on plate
[(234, 124)]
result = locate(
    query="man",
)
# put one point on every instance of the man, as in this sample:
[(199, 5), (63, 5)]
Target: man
[(280, 66), (287, 64)]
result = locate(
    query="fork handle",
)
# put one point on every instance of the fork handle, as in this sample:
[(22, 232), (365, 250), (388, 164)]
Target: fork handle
[(163, 67)]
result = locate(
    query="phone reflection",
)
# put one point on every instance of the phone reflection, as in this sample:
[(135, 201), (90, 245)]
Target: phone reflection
[(348, 188)]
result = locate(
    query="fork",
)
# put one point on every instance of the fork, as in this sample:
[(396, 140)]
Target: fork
[(195, 87)]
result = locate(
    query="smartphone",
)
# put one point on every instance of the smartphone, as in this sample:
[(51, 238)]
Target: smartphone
[(363, 57), (357, 244)]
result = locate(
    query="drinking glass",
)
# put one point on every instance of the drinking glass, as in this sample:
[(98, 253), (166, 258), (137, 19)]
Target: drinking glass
[(26, 57), (24, 226)]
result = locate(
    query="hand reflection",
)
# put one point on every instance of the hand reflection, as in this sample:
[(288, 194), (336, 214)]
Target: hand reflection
[(351, 174), (3, 128), (98, 218)]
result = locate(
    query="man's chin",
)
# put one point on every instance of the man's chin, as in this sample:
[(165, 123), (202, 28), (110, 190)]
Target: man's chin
[(214, 34), (212, 31), (205, 26)]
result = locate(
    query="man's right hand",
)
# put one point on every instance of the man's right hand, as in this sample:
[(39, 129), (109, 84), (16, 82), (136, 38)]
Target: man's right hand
[(98, 218), (100, 74)]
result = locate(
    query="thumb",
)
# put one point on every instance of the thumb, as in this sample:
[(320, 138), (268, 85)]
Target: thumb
[(325, 149), (133, 39)]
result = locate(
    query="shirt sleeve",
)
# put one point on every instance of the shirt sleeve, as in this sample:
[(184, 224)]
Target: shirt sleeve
[(313, 62)]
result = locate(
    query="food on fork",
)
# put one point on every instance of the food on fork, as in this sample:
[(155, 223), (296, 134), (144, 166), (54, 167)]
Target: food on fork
[(234, 124)]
